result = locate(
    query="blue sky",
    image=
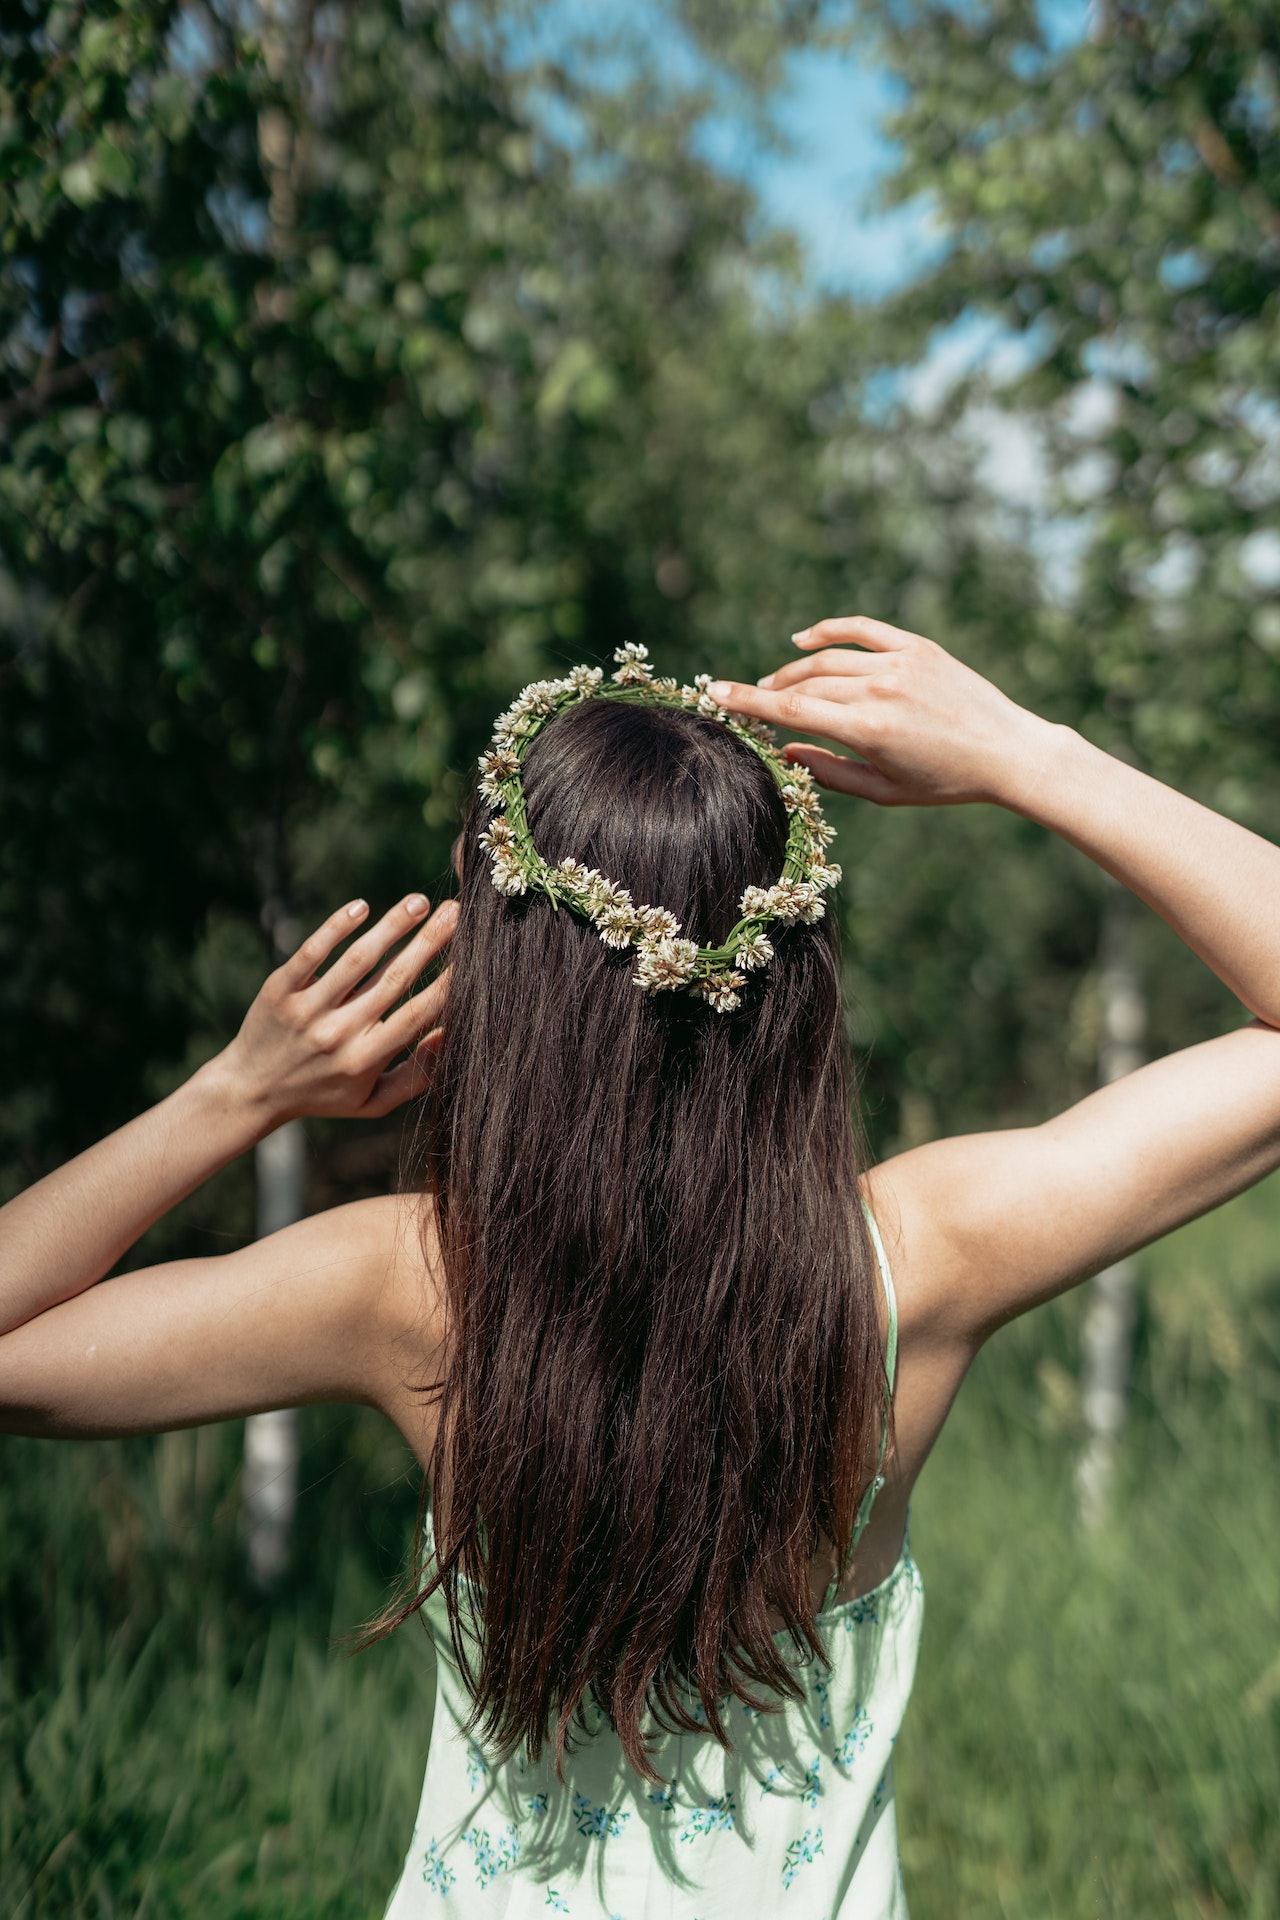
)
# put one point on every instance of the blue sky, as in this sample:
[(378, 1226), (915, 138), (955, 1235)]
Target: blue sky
[(822, 180), (823, 183)]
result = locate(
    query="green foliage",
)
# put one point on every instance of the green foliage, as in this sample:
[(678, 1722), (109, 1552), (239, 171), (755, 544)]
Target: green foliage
[(338, 403), (1096, 1727), (1115, 205), (169, 1747)]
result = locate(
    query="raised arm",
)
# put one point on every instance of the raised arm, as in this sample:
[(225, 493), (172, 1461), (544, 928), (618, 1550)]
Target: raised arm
[(274, 1323), (993, 1223)]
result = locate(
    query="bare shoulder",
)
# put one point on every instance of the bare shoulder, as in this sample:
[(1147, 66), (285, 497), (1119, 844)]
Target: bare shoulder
[(371, 1259), (916, 1199), (393, 1267)]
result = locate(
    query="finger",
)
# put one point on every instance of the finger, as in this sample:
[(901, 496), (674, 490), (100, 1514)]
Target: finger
[(396, 975), (316, 948), (842, 690), (857, 629), (364, 954), (790, 709), (405, 1080), (403, 1027), (831, 663), (840, 774)]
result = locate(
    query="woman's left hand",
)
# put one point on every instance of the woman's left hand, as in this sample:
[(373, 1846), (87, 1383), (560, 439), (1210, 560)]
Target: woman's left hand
[(928, 731), (324, 1043)]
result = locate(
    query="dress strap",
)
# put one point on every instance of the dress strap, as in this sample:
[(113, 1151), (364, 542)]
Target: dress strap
[(891, 1298), (890, 1370)]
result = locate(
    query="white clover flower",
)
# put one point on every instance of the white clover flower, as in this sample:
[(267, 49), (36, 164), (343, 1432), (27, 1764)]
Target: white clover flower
[(665, 964), (805, 802), (663, 683), (583, 680), (496, 836), (803, 901), (657, 923), (605, 894), (754, 949), (616, 925), (577, 879), (508, 876), (720, 989), (699, 698), (500, 763), (825, 876), (633, 667), (758, 729), (788, 901), (540, 697)]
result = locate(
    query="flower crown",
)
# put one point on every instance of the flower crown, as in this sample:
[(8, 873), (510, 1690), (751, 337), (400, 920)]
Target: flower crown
[(666, 962)]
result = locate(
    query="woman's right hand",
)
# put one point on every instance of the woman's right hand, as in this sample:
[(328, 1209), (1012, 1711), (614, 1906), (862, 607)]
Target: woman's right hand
[(928, 731), (325, 1043)]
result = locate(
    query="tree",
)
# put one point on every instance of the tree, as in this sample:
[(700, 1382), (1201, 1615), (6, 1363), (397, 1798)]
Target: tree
[(339, 400), (1114, 204)]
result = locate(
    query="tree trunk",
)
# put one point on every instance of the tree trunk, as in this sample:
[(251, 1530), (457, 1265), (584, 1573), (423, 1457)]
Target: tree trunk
[(270, 1486), (1107, 1356)]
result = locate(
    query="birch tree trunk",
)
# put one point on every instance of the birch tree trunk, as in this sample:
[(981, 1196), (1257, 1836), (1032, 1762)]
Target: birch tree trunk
[(1107, 1348), (270, 1485)]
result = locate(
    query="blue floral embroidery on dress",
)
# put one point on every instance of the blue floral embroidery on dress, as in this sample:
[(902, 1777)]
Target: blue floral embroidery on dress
[(822, 1687), (663, 1797), (437, 1875), (811, 1792), (477, 1765), (856, 1738), (801, 1852), (715, 1817), (492, 1857), (556, 1901), (864, 1611), (597, 1823), (772, 1779), (537, 1803)]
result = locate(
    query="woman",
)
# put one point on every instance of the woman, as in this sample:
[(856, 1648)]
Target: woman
[(670, 1383)]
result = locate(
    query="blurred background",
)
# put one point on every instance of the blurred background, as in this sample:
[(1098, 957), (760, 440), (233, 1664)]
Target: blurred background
[(360, 362)]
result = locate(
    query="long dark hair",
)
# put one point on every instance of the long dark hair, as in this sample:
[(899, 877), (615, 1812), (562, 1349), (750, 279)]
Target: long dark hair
[(664, 1377)]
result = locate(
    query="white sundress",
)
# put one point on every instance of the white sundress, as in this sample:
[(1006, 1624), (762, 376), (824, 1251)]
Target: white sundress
[(797, 1818)]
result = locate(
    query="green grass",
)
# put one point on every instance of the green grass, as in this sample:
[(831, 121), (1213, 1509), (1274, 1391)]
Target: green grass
[(1096, 1728)]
